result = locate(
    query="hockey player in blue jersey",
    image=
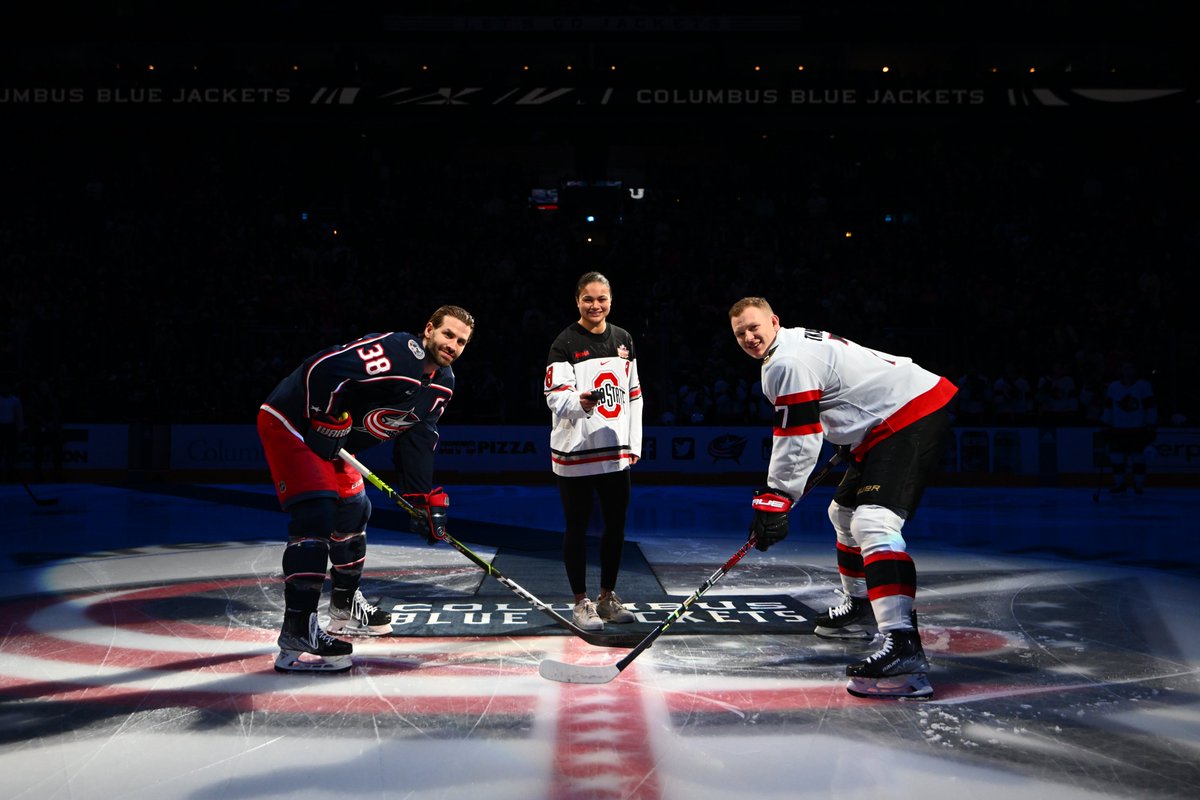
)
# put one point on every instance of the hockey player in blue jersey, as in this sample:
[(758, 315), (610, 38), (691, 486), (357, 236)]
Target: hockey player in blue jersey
[(383, 387)]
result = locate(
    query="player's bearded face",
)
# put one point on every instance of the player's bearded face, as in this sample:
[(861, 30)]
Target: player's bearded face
[(445, 343), (755, 331)]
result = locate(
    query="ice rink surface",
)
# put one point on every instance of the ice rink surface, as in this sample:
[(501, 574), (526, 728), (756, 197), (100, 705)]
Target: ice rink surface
[(139, 632)]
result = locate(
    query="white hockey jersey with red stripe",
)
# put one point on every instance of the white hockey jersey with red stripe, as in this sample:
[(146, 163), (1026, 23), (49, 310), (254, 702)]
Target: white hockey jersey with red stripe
[(1130, 405), (827, 387), (603, 363)]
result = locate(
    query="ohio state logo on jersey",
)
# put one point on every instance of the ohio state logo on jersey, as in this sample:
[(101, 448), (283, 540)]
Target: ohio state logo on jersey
[(611, 395), (1129, 403)]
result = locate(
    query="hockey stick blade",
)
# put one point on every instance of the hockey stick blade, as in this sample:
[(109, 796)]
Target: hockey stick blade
[(566, 673), (600, 640), (41, 501), (622, 640), (580, 673), (577, 673)]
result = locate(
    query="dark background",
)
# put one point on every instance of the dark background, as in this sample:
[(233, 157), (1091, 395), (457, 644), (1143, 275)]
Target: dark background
[(170, 262)]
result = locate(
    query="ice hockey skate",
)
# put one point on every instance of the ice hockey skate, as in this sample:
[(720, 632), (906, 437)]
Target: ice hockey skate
[(359, 618), (311, 650), (897, 669), (852, 619)]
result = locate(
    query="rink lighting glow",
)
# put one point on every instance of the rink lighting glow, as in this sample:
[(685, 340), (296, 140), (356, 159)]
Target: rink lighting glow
[(1076, 668), (1024, 739), (66, 576)]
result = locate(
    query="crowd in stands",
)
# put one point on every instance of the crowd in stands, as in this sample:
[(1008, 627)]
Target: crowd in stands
[(173, 274)]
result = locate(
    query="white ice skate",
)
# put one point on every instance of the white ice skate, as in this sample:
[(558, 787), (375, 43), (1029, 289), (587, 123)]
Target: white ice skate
[(312, 651)]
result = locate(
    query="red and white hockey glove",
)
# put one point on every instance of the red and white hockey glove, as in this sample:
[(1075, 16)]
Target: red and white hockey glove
[(432, 520), (326, 435), (770, 523)]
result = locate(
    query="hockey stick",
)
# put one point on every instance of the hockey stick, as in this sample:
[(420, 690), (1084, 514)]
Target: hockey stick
[(602, 640), (583, 673), (41, 501)]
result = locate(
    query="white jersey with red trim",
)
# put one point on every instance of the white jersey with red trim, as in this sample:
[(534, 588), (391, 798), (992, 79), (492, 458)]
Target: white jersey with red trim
[(1130, 405), (602, 441), (827, 387)]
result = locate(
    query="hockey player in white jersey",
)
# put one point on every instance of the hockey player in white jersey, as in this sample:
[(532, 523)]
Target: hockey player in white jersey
[(889, 417), (1130, 419)]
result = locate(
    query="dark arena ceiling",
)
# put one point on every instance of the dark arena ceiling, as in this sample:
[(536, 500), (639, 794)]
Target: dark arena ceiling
[(714, 67)]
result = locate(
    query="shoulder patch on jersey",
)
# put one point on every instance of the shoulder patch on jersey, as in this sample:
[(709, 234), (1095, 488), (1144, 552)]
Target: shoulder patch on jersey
[(416, 349), (622, 351)]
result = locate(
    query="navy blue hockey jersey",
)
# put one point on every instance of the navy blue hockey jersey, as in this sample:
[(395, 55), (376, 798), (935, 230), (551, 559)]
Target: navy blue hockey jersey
[(379, 380)]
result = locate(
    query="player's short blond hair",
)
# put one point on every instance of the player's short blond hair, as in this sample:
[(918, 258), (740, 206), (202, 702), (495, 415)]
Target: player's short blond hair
[(748, 302)]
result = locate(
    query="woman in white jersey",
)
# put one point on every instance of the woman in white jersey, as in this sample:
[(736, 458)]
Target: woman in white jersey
[(595, 402), (889, 418)]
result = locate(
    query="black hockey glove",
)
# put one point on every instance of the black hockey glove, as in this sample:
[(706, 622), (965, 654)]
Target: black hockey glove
[(326, 435), (431, 523), (770, 523)]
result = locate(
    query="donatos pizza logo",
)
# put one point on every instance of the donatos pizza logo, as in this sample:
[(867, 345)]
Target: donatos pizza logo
[(612, 396)]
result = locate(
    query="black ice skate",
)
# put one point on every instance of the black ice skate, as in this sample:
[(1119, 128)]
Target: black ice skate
[(358, 618), (897, 669), (297, 649), (853, 619)]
